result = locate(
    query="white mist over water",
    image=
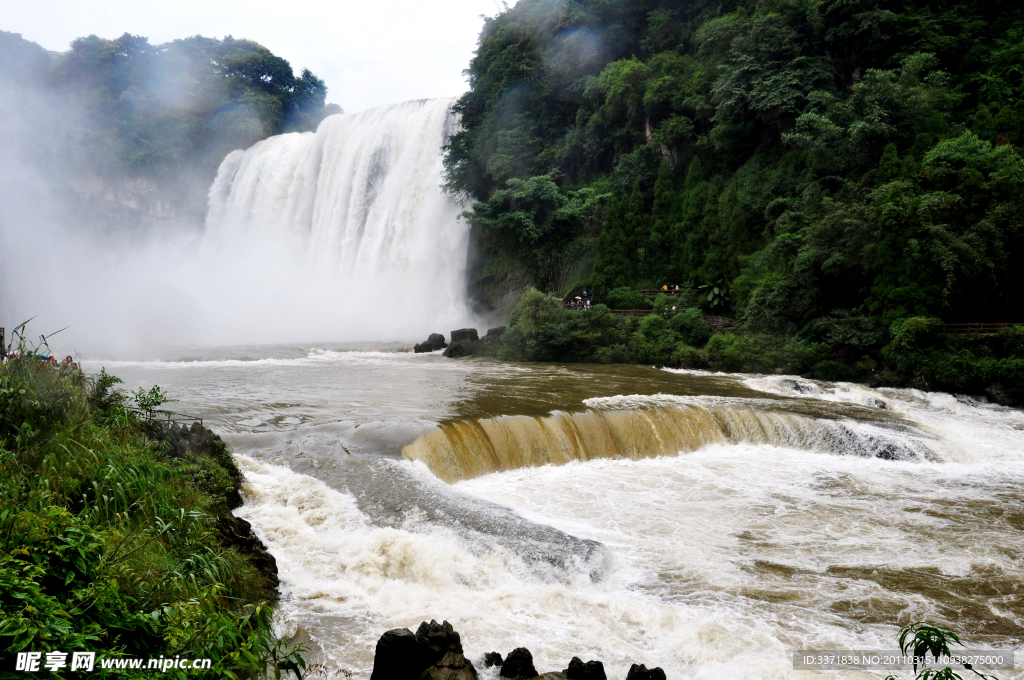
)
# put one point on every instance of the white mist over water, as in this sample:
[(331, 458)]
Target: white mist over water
[(339, 235)]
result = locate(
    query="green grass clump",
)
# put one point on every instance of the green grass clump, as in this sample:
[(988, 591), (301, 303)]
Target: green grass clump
[(109, 544)]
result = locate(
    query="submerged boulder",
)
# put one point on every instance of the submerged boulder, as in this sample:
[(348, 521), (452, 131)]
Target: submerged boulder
[(432, 344), (518, 664)]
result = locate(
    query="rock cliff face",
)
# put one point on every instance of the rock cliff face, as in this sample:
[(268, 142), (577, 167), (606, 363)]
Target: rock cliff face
[(142, 201)]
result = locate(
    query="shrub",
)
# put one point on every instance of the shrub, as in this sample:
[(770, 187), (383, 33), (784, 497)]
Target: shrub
[(911, 339), (686, 356), (689, 323), (111, 546), (627, 298), (763, 353)]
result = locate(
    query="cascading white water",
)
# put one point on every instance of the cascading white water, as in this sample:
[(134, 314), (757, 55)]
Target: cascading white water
[(352, 218), (774, 513)]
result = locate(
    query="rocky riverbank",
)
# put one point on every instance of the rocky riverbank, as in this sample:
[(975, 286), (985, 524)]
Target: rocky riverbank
[(202, 455), (434, 652)]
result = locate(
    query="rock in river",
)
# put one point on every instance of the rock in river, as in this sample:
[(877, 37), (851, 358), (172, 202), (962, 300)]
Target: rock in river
[(433, 343)]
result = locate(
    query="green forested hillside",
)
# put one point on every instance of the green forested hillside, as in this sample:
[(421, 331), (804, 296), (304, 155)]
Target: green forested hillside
[(126, 108), (836, 166)]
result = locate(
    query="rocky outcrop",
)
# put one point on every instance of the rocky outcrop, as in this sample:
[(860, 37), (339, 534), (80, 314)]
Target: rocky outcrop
[(398, 656), (466, 343), (432, 344), (202, 455), (434, 652), (641, 672), (182, 439), (519, 664), (238, 533), (462, 348), (465, 334), (997, 393), (206, 450), (591, 670), (494, 334)]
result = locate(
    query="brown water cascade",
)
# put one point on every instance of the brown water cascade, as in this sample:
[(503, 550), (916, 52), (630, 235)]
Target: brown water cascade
[(464, 449)]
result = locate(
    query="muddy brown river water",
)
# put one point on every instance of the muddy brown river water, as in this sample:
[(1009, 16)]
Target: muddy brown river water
[(709, 524)]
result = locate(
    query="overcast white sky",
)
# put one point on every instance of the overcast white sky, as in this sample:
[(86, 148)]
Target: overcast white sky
[(370, 52)]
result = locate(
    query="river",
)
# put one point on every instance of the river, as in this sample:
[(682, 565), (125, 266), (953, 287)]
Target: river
[(709, 524)]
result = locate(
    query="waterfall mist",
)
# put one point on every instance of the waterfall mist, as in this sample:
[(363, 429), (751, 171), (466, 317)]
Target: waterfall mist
[(339, 235)]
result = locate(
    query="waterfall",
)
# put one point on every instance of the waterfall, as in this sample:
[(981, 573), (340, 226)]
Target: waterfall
[(465, 449), (350, 223)]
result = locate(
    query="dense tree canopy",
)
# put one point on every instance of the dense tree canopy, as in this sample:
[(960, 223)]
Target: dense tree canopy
[(834, 164), (136, 107)]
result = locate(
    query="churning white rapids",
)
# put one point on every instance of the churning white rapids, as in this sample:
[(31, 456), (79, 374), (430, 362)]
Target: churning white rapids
[(794, 514)]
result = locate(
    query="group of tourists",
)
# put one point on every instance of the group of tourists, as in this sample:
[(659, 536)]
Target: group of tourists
[(580, 302), (69, 361)]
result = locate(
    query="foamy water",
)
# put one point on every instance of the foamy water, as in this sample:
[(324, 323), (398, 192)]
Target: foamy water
[(715, 562)]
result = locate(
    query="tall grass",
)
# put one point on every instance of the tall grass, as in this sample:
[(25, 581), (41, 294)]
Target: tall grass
[(108, 544)]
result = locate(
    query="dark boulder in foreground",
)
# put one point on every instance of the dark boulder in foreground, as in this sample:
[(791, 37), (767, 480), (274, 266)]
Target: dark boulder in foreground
[(591, 670), (433, 343), (434, 652), (398, 655), (518, 664), (641, 672)]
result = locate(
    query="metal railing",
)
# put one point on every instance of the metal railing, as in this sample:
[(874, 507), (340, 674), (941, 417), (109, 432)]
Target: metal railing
[(172, 417), (716, 323), (975, 328), (661, 291)]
